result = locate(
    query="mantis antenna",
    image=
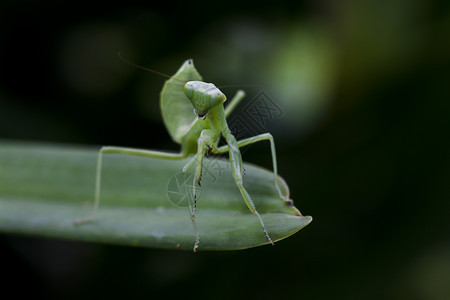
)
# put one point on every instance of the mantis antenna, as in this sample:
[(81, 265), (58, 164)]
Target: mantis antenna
[(141, 67), (168, 76)]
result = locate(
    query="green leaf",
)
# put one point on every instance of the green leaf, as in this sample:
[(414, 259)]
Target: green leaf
[(43, 188), (176, 109)]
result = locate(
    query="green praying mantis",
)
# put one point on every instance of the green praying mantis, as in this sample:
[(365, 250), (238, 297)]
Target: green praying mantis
[(194, 115)]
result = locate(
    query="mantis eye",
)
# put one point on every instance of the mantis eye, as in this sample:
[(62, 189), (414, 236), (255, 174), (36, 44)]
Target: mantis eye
[(217, 98), (188, 90)]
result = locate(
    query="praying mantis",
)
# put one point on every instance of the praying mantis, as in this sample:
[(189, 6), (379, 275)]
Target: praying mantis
[(194, 115)]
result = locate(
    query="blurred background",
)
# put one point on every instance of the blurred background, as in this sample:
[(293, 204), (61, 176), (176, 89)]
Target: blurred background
[(362, 138)]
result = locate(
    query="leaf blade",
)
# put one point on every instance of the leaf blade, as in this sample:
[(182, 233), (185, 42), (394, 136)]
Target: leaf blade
[(42, 189), (176, 109)]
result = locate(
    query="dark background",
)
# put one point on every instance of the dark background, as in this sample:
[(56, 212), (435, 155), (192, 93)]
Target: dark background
[(363, 141)]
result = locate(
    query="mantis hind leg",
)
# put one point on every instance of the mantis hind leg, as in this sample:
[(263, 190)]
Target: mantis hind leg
[(125, 151), (234, 102)]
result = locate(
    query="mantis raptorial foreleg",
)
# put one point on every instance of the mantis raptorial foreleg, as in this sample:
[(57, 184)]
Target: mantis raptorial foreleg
[(125, 151), (207, 138), (238, 173)]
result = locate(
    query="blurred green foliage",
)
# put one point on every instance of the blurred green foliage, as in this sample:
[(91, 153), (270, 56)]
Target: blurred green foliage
[(363, 141)]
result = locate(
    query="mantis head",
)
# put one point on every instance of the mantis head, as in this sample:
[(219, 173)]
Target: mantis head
[(203, 96)]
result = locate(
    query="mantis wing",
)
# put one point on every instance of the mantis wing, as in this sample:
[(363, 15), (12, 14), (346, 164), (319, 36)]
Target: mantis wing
[(176, 109)]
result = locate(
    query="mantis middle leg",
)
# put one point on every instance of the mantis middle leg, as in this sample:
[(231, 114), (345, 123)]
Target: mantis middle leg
[(255, 139), (126, 151), (259, 138)]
